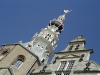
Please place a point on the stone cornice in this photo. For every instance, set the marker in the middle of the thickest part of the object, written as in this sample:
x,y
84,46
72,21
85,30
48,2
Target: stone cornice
x,y
80,71
62,71
78,41
42,73
91,51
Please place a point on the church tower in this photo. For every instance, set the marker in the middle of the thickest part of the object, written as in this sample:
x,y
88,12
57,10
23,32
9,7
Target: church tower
x,y
23,58
44,43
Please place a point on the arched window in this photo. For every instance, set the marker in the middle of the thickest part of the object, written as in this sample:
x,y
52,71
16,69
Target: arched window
x,y
19,61
4,52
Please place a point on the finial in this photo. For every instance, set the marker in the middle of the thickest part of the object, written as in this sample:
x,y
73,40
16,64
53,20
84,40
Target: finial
x,y
20,42
66,11
80,36
62,17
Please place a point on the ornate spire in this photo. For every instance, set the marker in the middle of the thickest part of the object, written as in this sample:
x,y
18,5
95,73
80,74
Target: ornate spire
x,y
56,25
44,43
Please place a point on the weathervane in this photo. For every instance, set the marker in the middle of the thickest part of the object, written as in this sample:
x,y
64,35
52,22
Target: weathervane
x,y
67,11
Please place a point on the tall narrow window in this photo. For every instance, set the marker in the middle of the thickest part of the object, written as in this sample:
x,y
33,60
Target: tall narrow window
x,y
62,65
18,63
4,52
70,65
70,48
77,47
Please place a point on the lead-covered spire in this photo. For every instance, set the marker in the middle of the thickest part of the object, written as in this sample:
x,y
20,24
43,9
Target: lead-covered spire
x,y
56,25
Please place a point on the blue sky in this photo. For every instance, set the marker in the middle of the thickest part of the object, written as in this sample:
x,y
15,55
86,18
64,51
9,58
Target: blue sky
x,y
21,19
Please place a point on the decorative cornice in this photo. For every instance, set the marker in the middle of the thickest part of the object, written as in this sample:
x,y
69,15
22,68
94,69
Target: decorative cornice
x,y
63,71
42,73
67,56
92,71
91,51
78,41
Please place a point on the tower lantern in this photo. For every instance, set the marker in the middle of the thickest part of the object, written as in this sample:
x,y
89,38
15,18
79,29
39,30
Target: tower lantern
x,y
56,25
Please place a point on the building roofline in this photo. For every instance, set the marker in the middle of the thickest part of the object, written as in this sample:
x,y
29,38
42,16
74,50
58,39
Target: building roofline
x,y
24,48
78,41
41,73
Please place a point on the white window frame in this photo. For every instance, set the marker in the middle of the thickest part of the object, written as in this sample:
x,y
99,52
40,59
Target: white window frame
x,y
20,64
66,66
60,65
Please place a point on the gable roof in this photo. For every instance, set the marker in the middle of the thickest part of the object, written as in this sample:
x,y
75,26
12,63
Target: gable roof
x,y
25,49
78,39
